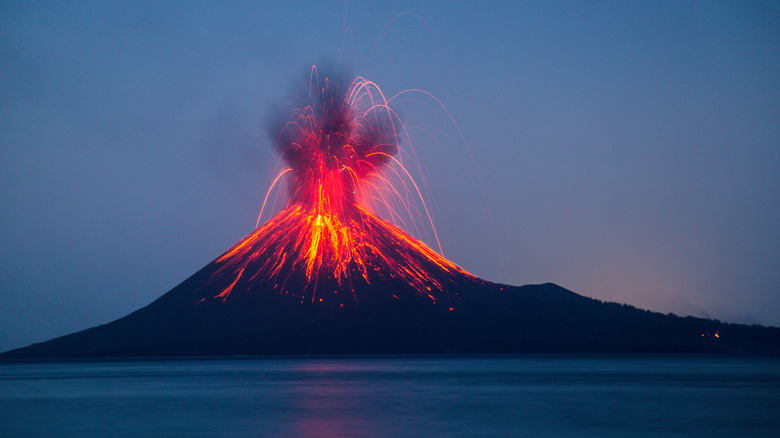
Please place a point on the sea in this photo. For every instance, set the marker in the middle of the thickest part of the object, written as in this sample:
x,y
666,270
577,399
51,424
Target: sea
x,y
517,396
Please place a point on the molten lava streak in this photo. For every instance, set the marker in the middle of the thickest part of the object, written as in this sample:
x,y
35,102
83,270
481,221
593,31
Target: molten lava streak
x,y
335,141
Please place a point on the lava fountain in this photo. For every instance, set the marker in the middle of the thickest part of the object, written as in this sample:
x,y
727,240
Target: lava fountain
x,y
337,141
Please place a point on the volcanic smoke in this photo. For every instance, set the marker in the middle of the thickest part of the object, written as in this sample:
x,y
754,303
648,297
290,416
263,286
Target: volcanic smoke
x,y
337,139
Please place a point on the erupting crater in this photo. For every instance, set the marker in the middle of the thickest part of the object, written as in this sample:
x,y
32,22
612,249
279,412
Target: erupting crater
x,y
336,143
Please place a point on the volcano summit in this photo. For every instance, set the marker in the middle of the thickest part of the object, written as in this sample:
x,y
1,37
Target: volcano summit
x,y
326,275
325,247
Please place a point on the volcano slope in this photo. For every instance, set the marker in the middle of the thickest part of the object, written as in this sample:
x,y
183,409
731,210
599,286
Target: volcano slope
x,y
371,289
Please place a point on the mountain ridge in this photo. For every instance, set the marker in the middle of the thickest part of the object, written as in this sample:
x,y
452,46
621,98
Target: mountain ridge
x,y
521,320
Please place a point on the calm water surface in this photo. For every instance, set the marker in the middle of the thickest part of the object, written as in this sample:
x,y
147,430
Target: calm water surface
x,y
387,397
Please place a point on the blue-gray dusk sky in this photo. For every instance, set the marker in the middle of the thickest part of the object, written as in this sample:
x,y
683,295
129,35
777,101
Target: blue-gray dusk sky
x,y
628,151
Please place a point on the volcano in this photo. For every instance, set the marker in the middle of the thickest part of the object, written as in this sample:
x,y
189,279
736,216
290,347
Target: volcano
x,y
393,295
327,275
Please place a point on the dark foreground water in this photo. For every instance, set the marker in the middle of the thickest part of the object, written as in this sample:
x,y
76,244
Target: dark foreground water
x,y
343,397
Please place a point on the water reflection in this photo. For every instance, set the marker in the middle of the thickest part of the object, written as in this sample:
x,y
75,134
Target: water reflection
x,y
346,397
330,405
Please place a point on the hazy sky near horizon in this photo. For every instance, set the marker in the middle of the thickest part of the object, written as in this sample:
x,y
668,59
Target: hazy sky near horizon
x,y
628,151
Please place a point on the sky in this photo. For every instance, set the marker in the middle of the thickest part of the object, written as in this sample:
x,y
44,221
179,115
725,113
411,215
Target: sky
x,y
627,151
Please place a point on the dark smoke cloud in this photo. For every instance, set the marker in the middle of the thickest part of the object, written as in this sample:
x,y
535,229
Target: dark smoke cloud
x,y
332,121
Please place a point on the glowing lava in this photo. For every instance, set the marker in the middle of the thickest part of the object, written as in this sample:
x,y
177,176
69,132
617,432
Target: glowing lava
x,y
336,142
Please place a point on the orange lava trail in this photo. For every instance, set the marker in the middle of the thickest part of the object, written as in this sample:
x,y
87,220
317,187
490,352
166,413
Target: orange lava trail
x,y
336,146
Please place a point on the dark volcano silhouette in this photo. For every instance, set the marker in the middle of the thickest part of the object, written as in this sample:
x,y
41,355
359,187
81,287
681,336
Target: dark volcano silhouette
x,y
395,296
